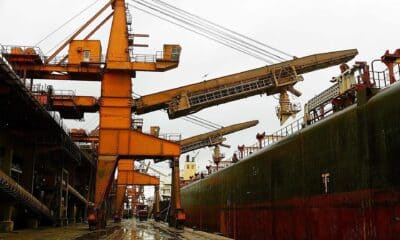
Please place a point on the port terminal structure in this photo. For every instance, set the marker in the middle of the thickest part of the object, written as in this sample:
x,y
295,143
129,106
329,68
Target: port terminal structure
x,y
119,143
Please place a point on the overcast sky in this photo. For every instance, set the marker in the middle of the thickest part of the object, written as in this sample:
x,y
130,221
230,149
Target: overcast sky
x,y
298,27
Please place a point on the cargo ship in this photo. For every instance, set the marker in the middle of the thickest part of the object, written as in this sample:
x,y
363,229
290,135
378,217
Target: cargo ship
x,y
337,177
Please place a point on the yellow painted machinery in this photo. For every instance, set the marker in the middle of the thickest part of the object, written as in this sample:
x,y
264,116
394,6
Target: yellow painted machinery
x,y
272,79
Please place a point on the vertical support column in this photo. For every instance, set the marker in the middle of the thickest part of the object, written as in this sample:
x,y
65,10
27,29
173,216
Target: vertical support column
x,y
62,211
157,203
60,203
66,193
72,203
28,175
177,216
90,193
6,225
72,211
124,165
28,169
80,213
119,203
115,111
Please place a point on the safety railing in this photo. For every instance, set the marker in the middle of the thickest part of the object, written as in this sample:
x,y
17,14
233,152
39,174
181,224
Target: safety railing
x,y
137,123
64,93
381,78
147,58
63,60
159,55
3,59
38,88
25,50
282,133
173,137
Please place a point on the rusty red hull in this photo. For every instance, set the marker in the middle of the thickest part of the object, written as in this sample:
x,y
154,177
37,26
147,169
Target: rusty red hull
x,y
336,179
358,215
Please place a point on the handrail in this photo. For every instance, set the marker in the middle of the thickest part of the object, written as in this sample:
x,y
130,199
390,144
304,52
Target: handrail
x,y
62,60
278,135
148,58
173,137
7,49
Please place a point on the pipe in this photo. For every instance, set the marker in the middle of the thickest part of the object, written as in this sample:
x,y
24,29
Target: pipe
x,y
13,189
74,192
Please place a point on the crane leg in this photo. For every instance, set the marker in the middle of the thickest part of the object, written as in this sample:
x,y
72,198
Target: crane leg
x,y
119,203
157,203
177,216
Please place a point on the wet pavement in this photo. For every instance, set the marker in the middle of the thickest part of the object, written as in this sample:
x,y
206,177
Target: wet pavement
x,y
71,232
133,229
48,233
128,229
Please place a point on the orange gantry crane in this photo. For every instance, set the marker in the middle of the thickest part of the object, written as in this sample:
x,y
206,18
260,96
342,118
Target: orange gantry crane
x,y
85,62
117,140
127,175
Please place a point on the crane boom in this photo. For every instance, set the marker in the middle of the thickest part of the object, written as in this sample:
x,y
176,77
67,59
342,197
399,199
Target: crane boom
x,y
189,144
213,138
270,79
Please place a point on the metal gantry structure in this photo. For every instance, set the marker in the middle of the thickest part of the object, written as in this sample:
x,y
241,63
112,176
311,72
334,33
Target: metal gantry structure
x,y
118,143
85,62
129,176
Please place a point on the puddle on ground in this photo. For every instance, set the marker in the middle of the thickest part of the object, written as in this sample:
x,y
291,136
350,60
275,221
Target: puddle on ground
x,y
132,230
